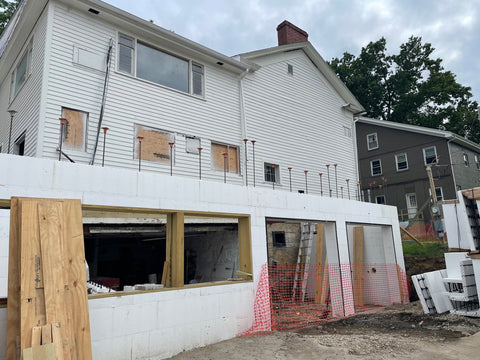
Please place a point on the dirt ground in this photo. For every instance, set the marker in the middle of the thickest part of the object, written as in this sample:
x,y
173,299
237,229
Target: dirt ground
x,y
397,332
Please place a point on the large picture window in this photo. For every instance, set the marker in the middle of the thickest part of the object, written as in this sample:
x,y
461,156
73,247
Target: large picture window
x,y
159,66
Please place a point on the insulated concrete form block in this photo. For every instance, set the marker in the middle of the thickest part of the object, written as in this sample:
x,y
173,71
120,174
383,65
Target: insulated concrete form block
x,y
452,264
464,223
423,294
436,287
456,237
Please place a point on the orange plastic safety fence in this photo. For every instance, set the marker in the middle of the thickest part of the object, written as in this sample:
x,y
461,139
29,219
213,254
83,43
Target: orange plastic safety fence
x,y
295,296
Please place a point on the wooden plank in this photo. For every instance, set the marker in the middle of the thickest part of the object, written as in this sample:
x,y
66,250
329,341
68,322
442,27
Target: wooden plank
x,y
51,221
36,336
177,248
400,282
77,280
13,306
472,194
166,268
32,313
320,271
46,334
42,352
245,245
358,266
57,341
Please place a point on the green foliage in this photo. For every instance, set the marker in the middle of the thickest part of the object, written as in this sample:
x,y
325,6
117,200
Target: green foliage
x,y
7,8
409,87
426,249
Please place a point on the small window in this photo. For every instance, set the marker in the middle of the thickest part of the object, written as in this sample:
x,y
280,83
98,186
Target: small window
x,y
380,199
126,51
220,161
278,238
465,160
477,162
197,79
430,155
155,143
376,167
401,161
192,144
271,172
19,147
439,193
372,141
74,131
20,74
347,131
290,69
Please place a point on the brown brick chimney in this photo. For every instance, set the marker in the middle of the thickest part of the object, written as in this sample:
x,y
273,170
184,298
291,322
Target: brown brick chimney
x,y
290,34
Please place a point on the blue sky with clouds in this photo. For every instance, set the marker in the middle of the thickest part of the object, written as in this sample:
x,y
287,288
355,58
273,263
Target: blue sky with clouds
x,y
334,26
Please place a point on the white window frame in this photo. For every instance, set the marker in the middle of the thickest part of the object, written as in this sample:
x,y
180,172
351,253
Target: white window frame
x,y
27,55
477,162
368,142
466,161
379,197
191,63
425,155
396,161
438,189
371,167
347,131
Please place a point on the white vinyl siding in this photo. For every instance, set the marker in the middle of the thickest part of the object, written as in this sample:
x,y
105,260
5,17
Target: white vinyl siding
x,y
130,101
296,122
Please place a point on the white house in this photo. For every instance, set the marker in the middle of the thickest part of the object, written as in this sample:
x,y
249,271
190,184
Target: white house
x,y
95,66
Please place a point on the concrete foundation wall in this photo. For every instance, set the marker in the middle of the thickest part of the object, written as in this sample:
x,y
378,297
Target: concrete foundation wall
x,y
161,324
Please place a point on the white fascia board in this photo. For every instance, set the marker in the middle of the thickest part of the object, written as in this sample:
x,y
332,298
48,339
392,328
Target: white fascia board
x,y
354,105
117,16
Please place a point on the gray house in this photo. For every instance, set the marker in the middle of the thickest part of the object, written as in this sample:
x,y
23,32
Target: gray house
x,y
392,164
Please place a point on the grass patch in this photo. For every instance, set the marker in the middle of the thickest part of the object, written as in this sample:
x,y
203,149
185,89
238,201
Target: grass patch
x,y
427,249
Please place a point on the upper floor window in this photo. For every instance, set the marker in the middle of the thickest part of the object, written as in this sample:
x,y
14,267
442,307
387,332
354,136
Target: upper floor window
x,y
376,167
477,162
372,141
271,172
75,129
347,131
224,157
20,74
465,160
290,69
160,67
430,155
380,199
401,161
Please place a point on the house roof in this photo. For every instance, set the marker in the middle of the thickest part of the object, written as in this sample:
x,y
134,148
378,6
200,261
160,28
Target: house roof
x,y
422,130
352,104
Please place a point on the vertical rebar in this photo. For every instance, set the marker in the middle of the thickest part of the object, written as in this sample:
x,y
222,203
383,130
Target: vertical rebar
x,y
290,177
253,145
328,175
348,188
12,113
140,138
171,157
273,176
104,141
336,183
63,121
225,168
341,189
359,197
306,182
200,162
321,184
246,162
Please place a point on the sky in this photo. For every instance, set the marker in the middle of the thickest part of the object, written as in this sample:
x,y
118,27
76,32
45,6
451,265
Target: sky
x,y
334,26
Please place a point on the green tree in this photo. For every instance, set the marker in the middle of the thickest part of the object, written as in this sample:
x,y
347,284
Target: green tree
x,y
409,87
7,8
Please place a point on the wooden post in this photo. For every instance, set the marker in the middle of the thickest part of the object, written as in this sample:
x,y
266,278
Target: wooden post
x,y
175,245
245,245
358,266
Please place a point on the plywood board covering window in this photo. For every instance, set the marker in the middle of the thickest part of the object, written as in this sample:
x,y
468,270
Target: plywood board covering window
x,y
154,144
218,158
74,129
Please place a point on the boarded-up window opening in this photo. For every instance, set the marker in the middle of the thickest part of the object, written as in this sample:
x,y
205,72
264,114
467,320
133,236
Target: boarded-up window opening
x,y
192,144
74,129
154,144
218,159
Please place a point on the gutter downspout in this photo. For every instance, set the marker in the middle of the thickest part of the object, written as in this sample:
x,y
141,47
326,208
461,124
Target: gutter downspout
x,y
243,118
451,167
356,117
102,108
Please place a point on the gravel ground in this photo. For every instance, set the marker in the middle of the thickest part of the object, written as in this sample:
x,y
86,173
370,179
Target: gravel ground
x,y
397,332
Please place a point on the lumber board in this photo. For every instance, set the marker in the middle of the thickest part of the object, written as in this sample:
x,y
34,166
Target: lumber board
x,y
358,266
46,334
77,281
472,194
36,336
13,305
41,352
400,282
31,294
166,267
50,219
57,341
244,245
320,271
